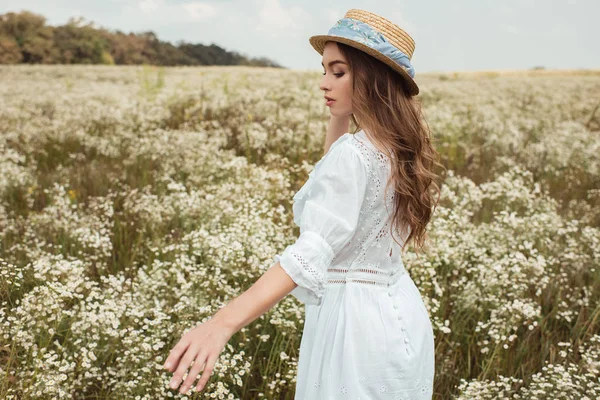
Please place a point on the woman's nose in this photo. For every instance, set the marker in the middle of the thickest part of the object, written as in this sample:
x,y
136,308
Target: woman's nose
x,y
324,86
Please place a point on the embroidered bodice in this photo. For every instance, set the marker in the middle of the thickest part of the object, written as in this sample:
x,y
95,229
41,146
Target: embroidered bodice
x,y
344,216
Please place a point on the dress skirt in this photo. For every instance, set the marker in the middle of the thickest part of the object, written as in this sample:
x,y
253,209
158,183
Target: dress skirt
x,y
367,342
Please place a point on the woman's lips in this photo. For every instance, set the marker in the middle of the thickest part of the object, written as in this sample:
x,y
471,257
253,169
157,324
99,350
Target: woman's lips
x,y
329,102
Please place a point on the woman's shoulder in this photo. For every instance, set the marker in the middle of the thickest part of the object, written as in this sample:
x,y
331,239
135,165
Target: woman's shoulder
x,y
344,153
371,156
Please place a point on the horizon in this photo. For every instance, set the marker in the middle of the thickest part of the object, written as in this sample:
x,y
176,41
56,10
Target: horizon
x,y
444,40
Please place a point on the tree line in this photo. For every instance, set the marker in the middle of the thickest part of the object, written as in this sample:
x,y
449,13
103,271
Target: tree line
x,y
25,38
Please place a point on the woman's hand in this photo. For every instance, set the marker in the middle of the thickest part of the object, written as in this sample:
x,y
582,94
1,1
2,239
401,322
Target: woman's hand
x,y
203,344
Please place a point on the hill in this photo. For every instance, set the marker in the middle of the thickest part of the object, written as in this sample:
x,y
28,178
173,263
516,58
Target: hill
x,y
26,38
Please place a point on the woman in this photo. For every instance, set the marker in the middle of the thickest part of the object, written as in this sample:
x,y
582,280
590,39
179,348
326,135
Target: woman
x,y
367,332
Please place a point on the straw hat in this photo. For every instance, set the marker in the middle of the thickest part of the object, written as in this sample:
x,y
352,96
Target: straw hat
x,y
376,36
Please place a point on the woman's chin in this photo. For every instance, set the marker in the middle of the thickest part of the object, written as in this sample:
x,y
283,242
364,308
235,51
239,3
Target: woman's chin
x,y
337,113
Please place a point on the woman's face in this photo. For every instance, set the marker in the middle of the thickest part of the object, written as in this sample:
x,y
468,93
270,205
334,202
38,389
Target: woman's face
x,y
336,82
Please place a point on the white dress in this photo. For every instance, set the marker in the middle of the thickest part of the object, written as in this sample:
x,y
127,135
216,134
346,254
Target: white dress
x,y
367,333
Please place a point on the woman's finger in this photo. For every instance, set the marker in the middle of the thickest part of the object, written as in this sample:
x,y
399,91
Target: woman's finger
x,y
210,363
176,353
194,371
184,364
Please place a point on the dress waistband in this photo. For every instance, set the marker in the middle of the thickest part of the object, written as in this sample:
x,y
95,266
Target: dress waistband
x,y
365,275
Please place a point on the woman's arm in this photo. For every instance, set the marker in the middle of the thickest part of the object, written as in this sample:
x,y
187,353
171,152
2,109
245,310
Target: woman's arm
x,y
259,298
204,343
336,128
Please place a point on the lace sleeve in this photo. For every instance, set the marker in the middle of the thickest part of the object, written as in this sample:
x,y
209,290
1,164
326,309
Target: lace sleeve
x,y
329,220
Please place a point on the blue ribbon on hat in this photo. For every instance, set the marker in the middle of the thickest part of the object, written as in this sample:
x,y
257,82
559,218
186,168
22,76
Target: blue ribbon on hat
x,y
361,32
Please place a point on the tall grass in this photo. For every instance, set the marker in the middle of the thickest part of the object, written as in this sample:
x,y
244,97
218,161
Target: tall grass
x,y
136,201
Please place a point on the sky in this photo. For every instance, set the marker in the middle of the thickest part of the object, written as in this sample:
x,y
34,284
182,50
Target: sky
x,y
458,35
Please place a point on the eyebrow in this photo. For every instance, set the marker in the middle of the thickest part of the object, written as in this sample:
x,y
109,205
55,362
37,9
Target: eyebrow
x,y
330,63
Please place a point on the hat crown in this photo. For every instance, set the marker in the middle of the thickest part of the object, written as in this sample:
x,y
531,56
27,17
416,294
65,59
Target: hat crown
x,y
392,32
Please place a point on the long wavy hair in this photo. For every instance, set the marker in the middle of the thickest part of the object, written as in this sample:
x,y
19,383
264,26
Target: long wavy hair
x,y
393,120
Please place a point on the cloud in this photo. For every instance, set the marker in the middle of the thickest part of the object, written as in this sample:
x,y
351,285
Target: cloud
x,y
198,11
168,12
275,19
148,6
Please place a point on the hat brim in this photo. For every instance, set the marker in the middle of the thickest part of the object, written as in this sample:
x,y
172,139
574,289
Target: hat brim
x,y
318,43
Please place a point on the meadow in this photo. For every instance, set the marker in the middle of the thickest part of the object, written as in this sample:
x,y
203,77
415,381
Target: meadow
x,y
135,201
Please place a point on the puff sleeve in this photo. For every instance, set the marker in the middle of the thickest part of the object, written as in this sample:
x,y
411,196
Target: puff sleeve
x,y
329,218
